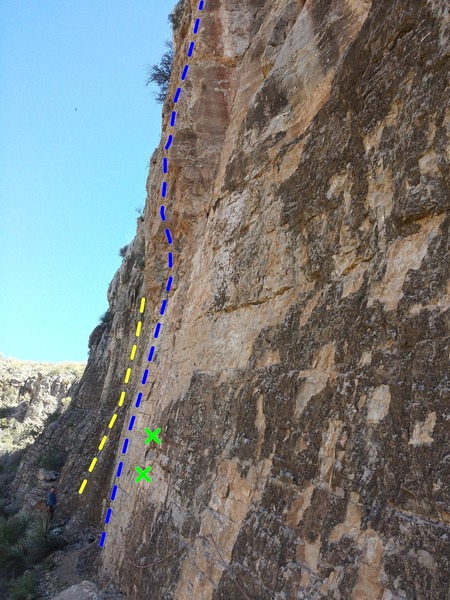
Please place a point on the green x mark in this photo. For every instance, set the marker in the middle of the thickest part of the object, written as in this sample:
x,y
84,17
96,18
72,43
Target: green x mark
x,y
143,474
152,435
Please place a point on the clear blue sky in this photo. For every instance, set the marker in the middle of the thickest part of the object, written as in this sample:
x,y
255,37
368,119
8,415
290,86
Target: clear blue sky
x,y
70,180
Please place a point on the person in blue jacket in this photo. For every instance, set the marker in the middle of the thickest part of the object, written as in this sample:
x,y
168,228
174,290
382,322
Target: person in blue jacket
x,y
51,503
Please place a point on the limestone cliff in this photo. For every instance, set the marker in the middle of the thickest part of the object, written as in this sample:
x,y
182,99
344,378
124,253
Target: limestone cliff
x,y
30,394
300,379
32,397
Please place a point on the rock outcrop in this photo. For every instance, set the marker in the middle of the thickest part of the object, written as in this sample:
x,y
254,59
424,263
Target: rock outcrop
x,y
33,396
86,590
30,393
300,380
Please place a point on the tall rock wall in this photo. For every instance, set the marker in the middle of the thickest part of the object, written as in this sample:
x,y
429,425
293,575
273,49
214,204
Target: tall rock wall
x,y
301,377
300,380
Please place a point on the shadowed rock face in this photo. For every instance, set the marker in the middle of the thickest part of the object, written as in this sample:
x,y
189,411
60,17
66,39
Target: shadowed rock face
x,y
300,382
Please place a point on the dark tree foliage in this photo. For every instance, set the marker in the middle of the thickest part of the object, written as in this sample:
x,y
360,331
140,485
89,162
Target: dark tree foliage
x,y
160,73
106,318
176,15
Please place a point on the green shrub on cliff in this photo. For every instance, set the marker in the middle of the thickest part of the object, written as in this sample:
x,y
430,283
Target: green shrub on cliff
x,y
53,460
52,417
106,318
160,73
123,250
176,15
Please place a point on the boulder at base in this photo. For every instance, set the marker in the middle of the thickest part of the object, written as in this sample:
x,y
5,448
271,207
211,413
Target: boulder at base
x,y
82,591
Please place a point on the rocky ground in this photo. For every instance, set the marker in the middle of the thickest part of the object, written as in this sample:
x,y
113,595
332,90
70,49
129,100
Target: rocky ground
x,y
72,570
32,397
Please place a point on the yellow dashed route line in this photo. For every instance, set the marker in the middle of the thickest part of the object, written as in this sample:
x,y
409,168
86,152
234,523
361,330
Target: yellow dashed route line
x,y
121,400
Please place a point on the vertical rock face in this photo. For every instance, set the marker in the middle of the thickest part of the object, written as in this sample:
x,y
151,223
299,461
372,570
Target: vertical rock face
x,y
301,374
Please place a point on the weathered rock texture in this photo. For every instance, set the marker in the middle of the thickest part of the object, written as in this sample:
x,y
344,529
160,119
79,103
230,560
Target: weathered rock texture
x,y
29,393
300,382
75,435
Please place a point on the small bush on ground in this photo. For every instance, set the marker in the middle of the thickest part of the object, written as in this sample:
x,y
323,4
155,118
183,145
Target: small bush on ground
x,y
48,564
39,541
23,588
12,532
24,542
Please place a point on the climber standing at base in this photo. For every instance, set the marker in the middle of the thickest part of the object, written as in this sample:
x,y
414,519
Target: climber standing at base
x,y
51,503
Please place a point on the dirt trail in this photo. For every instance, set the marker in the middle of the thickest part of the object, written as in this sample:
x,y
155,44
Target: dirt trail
x,y
63,575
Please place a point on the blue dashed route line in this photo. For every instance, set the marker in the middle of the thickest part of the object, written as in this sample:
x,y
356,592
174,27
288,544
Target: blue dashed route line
x,y
162,213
